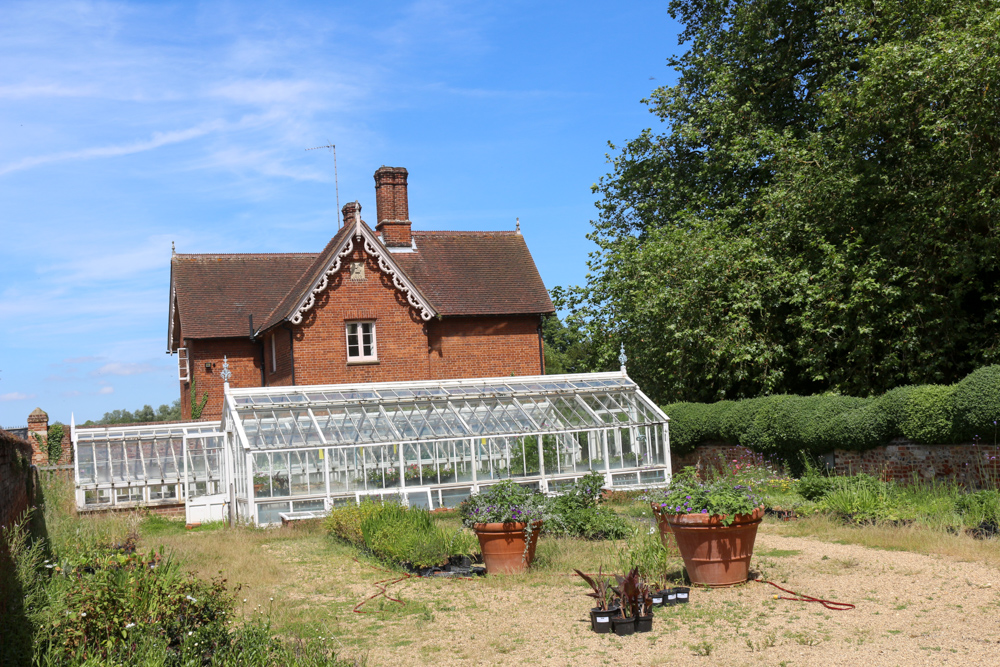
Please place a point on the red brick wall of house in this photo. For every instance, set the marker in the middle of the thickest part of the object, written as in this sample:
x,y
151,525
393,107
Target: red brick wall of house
x,y
484,347
282,375
320,342
244,363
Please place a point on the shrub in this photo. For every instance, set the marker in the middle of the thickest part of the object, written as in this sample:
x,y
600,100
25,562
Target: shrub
x,y
578,512
345,521
977,405
404,535
784,425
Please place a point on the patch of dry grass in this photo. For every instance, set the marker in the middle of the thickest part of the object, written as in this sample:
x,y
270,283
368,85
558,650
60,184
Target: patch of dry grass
x,y
914,538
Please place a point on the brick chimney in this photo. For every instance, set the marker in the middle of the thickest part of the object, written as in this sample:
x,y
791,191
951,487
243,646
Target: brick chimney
x,y
350,209
392,206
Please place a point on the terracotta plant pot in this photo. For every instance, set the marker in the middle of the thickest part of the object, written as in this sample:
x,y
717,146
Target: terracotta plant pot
x,y
502,546
715,555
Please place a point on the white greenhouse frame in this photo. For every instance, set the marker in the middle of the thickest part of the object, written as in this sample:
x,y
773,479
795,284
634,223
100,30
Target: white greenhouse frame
x,y
297,451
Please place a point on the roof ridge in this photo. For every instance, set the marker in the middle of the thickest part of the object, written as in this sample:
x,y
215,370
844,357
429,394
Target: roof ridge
x,y
499,232
246,254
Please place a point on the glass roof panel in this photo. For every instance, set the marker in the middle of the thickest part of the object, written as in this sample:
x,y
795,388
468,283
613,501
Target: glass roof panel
x,y
439,410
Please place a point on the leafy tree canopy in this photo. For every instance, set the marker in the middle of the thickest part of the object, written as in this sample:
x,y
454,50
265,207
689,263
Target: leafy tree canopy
x,y
819,212
144,414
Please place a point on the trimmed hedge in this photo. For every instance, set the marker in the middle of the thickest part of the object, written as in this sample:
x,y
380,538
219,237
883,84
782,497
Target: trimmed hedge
x,y
784,425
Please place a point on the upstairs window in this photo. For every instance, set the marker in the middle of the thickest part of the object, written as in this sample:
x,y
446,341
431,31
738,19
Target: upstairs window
x,y
361,342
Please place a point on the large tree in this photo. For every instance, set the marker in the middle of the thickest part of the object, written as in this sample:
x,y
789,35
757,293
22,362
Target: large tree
x,y
820,212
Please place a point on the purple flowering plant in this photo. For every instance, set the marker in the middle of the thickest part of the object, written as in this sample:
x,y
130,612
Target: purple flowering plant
x,y
504,502
724,496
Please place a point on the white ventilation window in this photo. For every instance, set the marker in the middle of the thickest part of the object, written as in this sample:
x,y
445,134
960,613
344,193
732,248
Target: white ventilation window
x,y
183,366
361,342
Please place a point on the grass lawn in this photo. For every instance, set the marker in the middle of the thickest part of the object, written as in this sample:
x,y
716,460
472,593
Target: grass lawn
x,y
912,608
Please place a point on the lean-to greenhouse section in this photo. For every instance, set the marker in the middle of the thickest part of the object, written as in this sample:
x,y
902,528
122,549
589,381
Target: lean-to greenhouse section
x,y
299,450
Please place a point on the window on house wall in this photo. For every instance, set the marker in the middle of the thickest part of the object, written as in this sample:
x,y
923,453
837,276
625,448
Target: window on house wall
x,y
274,356
361,341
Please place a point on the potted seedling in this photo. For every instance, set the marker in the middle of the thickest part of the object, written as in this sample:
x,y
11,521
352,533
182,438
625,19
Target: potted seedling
x,y
631,591
601,615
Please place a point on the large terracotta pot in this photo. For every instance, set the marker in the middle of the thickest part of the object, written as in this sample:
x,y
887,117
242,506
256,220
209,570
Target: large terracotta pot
x,y
715,555
666,535
502,546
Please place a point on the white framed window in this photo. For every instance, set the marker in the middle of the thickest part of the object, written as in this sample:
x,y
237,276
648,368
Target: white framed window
x,y
361,342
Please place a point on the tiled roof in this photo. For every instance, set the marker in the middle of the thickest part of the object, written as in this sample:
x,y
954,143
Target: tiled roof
x,y
476,273
459,273
217,293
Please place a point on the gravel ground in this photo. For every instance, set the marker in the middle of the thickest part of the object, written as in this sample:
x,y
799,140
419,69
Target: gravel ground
x,y
911,610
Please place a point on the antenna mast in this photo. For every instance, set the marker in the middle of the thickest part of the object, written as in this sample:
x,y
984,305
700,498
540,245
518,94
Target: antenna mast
x,y
336,185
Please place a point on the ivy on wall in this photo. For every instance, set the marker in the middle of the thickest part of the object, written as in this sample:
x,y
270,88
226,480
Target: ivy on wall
x,y
197,406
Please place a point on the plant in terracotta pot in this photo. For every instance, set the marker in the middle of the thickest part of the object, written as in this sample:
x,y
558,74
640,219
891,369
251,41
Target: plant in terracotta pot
x,y
714,523
507,519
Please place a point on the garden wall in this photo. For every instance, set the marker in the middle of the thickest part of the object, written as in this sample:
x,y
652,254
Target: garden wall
x,y
18,479
901,460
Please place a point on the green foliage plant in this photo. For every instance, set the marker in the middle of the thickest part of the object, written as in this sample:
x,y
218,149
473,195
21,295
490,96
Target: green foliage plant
x,y
197,406
782,426
580,513
55,437
409,536
817,211
724,496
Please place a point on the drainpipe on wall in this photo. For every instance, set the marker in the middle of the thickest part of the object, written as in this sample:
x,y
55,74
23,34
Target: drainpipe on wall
x,y
260,344
541,345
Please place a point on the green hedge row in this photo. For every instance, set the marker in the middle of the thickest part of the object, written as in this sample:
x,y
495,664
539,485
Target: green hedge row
x,y
784,425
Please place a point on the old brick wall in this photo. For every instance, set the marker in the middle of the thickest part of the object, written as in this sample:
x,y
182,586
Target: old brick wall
x,y
320,342
484,347
278,356
16,475
900,460
244,359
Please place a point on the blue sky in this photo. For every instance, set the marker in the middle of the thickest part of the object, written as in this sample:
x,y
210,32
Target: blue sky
x,y
126,126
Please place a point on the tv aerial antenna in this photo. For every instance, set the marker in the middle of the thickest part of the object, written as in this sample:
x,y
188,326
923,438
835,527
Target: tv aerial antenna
x,y
336,186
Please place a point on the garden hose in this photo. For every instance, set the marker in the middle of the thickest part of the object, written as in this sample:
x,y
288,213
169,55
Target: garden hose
x,y
829,604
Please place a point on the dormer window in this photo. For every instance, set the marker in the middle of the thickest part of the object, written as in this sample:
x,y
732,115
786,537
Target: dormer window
x,y
361,342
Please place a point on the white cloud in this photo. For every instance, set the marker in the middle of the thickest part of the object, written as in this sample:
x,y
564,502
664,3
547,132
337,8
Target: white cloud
x,y
106,390
119,368
157,140
16,396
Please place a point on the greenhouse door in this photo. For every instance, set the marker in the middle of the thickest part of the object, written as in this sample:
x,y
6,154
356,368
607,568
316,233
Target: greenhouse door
x,y
205,488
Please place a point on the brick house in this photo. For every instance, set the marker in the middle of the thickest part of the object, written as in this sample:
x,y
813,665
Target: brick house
x,y
387,304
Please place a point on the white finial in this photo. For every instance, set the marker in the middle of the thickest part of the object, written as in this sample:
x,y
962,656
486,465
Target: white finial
x,y
357,219
226,374
622,358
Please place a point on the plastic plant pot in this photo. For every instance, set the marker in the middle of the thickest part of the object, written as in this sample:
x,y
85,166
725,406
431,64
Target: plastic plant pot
x,y
658,598
600,620
683,594
670,597
644,623
623,626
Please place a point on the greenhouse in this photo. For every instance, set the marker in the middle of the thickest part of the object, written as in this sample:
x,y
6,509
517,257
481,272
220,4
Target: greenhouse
x,y
289,452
